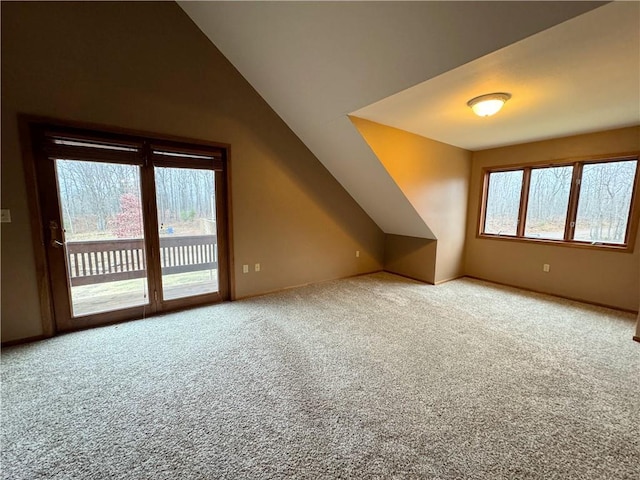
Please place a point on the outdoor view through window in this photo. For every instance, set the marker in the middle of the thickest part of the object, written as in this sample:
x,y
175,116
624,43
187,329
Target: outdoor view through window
x,y
605,200
548,202
503,203
581,202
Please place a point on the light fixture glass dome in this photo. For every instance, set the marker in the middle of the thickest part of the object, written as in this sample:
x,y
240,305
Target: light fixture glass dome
x,y
487,105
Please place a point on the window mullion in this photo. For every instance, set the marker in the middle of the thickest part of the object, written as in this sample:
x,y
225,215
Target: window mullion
x,y
483,202
524,200
150,216
574,195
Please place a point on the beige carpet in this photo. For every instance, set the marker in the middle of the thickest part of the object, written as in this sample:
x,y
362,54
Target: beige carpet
x,y
370,377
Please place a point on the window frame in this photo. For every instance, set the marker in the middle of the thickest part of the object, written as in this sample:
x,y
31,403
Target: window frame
x,y
572,208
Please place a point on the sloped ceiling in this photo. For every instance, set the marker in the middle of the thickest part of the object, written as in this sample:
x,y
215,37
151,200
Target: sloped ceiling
x,y
316,62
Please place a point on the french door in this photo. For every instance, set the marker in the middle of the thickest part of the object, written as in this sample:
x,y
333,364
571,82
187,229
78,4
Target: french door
x,y
132,225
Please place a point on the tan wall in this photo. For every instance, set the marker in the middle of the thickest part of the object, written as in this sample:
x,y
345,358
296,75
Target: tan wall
x,y
410,256
637,335
605,277
434,176
145,66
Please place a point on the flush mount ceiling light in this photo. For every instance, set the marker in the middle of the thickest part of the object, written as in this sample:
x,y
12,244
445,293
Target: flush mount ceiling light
x,y
487,105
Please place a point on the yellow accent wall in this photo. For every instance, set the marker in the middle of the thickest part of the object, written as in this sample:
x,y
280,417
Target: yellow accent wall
x,y
434,176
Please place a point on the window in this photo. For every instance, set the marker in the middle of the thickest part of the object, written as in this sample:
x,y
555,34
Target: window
x,y
588,203
605,201
503,202
548,202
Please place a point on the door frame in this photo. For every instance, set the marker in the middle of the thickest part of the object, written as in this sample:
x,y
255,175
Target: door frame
x,y
28,126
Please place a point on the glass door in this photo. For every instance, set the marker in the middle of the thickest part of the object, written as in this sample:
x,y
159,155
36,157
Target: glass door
x,y
186,201
190,190
131,225
102,235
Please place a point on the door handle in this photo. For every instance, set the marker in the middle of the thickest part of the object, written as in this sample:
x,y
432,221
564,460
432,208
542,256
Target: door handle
x,y
53,229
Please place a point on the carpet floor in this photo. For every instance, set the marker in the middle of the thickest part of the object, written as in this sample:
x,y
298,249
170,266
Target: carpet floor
x,y
369,377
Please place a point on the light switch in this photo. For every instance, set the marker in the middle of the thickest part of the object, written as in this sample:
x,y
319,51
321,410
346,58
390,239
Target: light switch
x,y
5,215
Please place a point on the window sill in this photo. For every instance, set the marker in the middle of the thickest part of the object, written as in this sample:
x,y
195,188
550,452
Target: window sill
x,y
612,247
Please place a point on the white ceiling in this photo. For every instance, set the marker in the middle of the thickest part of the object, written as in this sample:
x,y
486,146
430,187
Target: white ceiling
x,y
577,77
316,62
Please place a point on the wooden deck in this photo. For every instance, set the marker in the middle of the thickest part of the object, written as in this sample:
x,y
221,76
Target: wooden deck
x,y
108,275
108,301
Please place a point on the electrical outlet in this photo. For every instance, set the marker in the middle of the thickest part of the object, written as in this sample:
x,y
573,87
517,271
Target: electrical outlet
x,y
546,267
245,268
257,267
357,253
5,215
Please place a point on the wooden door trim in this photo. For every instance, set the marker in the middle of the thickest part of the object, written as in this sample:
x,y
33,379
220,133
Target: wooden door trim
x,y
37,231
121,132
150,227
229,236
50,212
28,125
223,253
